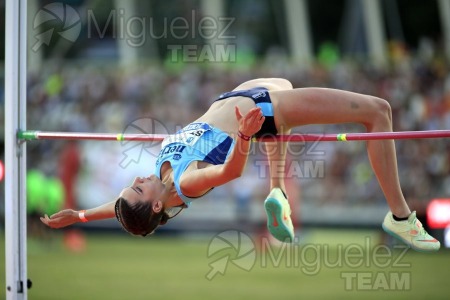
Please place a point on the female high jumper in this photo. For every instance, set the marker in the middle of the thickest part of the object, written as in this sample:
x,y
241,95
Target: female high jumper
x,y
213,150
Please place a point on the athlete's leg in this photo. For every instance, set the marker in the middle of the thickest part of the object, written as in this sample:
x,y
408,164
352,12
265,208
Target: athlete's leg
x,y
276,151
276,204
325,106
276,155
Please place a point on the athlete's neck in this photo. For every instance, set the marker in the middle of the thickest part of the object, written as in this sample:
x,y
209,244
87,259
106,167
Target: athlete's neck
x,y
166,172
167,180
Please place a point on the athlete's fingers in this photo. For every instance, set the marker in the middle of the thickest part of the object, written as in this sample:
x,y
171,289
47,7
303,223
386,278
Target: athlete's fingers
x,y
61,213
258,122
256,115
252,121
252,118
253,113
45,219
56,215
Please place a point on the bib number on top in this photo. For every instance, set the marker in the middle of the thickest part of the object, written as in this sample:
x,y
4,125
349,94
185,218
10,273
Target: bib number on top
x,y
189,135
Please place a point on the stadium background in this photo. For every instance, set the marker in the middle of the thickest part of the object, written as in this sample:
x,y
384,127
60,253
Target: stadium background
x,y
127,66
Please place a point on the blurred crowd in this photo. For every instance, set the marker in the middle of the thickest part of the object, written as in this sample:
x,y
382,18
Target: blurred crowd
x,y
153,98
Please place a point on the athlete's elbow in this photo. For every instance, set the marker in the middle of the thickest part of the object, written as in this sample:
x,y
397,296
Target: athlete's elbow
x,y
234,173
232,170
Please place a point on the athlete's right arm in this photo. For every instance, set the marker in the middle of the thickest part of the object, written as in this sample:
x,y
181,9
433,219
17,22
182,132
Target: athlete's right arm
x,y
68,217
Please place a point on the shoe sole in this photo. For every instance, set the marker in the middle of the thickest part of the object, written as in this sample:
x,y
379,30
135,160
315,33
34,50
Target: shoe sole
x,y
275,224
393,234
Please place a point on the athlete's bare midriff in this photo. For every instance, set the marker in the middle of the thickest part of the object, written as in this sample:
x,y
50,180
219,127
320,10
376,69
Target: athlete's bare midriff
x,y
221,114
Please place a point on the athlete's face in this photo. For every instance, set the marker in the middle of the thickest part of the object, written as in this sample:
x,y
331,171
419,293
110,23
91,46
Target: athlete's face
x,y
144,189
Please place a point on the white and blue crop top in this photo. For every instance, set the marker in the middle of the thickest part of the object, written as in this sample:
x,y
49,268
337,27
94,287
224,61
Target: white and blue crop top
x,y
195,142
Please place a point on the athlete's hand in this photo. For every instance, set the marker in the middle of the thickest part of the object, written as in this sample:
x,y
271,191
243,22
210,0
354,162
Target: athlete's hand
x,y
61,219
250,123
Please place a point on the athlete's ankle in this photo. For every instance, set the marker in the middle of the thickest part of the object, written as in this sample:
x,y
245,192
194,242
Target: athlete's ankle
x,y
401,214
282,189
399,219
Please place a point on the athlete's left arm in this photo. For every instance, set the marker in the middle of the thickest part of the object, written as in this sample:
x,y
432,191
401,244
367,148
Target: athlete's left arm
x,y
199,181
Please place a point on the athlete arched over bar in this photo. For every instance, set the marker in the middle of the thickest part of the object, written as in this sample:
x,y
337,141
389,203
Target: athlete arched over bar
x,y
213,150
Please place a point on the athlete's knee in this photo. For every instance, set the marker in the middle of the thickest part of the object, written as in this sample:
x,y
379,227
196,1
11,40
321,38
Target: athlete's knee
x,y
384,108
382,112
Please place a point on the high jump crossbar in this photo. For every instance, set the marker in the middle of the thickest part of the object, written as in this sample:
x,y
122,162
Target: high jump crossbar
x,y
48,135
